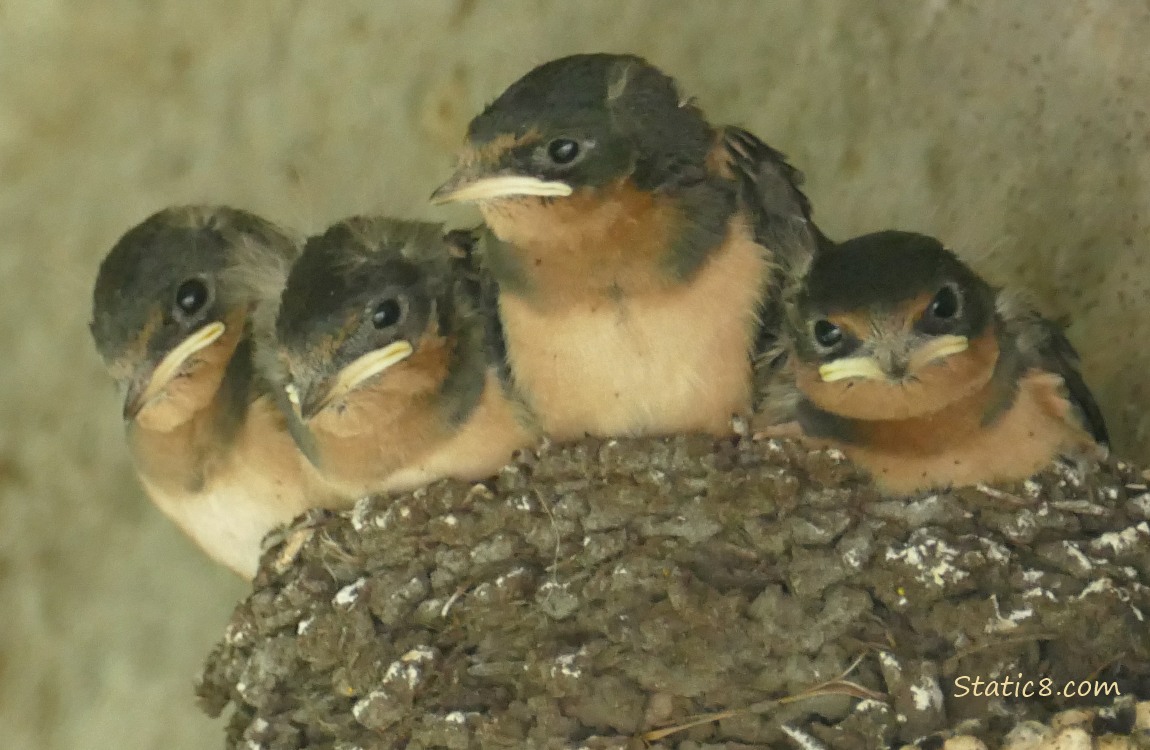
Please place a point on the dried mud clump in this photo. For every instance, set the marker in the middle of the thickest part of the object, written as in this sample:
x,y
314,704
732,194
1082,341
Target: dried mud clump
x,y
596,592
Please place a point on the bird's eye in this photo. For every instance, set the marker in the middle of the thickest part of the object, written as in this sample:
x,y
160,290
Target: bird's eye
x,y
827,334
191,296
945,305
386,314
562,150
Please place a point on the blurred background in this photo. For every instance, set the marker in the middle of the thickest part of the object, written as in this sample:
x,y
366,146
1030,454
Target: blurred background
x,y
1016,132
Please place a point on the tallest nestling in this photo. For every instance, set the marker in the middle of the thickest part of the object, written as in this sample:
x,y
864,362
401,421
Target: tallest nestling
x,y
636,246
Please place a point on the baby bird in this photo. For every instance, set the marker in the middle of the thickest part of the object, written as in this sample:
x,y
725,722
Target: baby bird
x,y
925,375
637,250
174,310
390,362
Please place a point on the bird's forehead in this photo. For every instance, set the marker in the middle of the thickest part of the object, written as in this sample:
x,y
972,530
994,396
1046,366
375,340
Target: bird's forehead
x,y
883,317
489,151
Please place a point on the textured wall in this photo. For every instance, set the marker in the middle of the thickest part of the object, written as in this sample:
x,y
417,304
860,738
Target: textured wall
x,y
1016,132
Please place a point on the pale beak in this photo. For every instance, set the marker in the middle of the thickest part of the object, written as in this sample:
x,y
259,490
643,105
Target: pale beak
x,y
869,368
464,188
851,367
352,376
939,348
142,391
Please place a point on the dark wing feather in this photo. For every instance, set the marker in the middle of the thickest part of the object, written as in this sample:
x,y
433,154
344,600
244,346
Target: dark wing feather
x,y
482,291
1059,356
1042,344
781,216
771,190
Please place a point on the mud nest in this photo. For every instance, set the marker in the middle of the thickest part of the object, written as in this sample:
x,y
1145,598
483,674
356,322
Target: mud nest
x,y
594,592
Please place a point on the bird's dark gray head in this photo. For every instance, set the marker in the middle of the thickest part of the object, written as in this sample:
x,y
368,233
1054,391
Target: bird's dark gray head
x,y
896,293
361,298
172,284
581,121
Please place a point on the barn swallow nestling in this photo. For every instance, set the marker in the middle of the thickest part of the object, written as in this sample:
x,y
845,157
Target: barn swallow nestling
x,y
384,344
630,262
925,375
173,310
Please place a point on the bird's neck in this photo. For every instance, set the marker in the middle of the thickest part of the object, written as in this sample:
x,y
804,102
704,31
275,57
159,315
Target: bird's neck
x,y
927,432
604,243
387,425
177,442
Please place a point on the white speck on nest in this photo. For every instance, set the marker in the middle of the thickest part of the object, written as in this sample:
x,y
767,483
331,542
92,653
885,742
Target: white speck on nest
x,y
888,661
1008,621
1142,502
1039,593
236,634
404,512
550,586
870,704
502,580
253,745
1085,562
1112,493
1096,586
359,514
933,559
802,739
451,520
347,596
836,455
565,664
260,725
456,717
418,654
1033,488
853,558
926,694
522,503
409,673
365,702
1033,576
1120,541
304,625
586,540
995,552
620,570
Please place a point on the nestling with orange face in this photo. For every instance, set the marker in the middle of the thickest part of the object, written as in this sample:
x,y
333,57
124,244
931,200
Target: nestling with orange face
x,y
630,247
925,375
386,354
174,310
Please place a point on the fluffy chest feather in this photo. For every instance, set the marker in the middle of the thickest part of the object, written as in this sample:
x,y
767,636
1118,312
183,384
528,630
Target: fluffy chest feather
x,y
950,448
645,360
232,495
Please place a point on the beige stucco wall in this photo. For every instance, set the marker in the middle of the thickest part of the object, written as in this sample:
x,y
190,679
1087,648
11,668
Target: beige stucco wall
x,y
1016,131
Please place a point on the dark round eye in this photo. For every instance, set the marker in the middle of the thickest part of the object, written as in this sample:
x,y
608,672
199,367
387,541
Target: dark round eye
x,y
945,304
562,150
191,296
386,314
827,334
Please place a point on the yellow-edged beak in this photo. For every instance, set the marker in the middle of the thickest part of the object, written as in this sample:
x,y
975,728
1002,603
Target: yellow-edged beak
x,y
148,387
351,377
469,188
939,348
869,368
866,368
